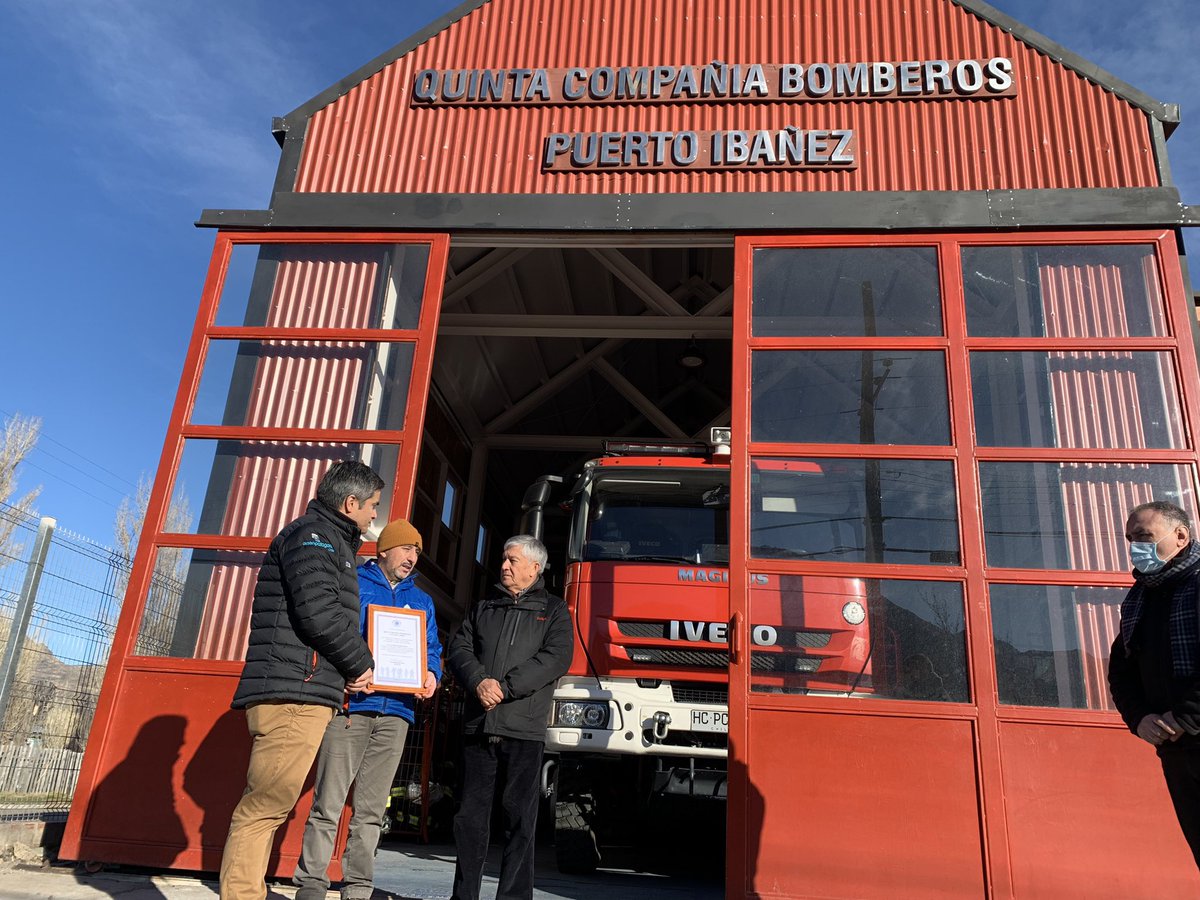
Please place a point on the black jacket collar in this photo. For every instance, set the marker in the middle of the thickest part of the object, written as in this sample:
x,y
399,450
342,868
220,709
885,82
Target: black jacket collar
x,y
346,526
533,596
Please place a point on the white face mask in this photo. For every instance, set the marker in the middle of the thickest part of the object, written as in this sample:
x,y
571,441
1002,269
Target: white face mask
x,y
1144,555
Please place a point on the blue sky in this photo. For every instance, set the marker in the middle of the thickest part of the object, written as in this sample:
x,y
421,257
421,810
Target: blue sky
x,y
125,118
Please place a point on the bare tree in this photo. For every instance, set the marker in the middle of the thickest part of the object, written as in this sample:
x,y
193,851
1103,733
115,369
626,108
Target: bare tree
x,y
18,439
131,515
170,564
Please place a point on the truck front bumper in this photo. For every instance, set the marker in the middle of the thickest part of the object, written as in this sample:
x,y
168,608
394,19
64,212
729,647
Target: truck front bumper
x,y
641,721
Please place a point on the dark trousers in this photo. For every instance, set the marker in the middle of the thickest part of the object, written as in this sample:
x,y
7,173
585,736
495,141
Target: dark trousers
x,y
513,766
1182,771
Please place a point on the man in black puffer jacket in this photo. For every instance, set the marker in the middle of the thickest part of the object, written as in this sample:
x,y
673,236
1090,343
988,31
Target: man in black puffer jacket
x,y
305,652
509,652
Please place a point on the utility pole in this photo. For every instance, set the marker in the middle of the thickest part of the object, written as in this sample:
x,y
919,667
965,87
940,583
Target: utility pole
x,y
868,394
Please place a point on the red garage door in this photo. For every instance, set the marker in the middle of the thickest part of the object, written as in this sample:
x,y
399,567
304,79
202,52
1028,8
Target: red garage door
x,y
307,349
943,435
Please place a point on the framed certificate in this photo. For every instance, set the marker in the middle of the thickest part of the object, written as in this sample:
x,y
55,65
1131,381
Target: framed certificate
x,y
397,640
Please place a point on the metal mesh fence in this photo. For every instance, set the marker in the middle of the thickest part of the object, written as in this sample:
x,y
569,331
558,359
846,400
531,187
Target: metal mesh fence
x,y
58,664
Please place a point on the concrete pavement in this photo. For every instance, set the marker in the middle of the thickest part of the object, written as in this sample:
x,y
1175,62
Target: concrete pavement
x,y
404,871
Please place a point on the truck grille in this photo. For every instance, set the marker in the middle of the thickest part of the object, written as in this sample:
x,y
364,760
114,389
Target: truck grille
x,y
812,638
711,659
783,662
713,741
700,692
719,659
642,629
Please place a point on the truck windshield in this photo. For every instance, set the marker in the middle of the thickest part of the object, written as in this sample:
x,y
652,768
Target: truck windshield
x,y
659,516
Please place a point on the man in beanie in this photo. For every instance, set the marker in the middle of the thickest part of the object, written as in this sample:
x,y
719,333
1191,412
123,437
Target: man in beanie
x,y
362,745
1154,664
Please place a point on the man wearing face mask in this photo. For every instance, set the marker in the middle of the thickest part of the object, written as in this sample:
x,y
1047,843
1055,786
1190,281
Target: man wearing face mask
x,y
1154,665
304,652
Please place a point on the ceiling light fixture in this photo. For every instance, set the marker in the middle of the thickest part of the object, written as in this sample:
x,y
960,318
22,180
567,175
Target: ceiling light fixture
x,y
692,356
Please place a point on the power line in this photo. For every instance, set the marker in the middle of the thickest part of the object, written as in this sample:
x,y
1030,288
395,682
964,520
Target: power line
x,y
66,482
69,465
42,435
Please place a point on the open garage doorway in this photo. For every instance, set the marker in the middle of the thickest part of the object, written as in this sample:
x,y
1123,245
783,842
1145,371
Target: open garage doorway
x,y
543,354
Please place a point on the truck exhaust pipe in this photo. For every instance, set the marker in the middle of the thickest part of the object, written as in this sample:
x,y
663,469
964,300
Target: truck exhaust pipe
x,y
533,504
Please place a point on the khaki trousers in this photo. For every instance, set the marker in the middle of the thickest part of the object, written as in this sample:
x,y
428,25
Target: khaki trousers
x,y
286,737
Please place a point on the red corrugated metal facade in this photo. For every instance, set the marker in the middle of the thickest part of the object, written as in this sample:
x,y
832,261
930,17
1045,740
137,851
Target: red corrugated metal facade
x,y
1060,131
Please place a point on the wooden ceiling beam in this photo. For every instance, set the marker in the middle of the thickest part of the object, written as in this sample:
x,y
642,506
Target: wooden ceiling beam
x,y
640,401
639,282
557,382
480,273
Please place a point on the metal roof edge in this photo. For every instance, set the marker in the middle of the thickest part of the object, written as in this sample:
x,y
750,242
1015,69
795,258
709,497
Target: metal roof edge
x,y
1168,113
230,219
342,87
830,211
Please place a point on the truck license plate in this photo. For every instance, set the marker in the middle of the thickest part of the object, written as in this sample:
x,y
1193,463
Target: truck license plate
x,y
710,720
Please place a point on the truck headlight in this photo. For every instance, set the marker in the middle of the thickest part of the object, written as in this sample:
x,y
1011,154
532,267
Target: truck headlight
x,y
580,714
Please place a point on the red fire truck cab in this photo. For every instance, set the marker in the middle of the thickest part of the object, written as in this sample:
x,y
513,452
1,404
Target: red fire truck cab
x,y
642,719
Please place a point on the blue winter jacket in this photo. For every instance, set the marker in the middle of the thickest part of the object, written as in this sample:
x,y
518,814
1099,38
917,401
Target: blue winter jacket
x,y
373,588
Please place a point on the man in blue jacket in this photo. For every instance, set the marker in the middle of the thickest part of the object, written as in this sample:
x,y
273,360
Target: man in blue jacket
x,y
362,747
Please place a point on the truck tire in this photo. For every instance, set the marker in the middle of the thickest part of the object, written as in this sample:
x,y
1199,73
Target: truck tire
x,y
575,849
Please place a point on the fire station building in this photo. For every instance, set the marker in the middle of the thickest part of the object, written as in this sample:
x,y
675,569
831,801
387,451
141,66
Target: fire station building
x,y
910,246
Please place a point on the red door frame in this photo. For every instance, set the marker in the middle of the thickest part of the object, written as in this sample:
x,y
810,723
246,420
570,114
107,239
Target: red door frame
x,y
984,712
220,676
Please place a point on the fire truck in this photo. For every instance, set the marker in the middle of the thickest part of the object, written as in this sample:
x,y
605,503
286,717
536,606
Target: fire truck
x,y
641,720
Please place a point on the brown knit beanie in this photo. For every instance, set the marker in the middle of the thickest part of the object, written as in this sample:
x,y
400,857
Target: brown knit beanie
x,y
398,532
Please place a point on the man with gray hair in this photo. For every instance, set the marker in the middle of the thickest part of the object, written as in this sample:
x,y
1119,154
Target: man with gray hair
x,y
511,649
1154,664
